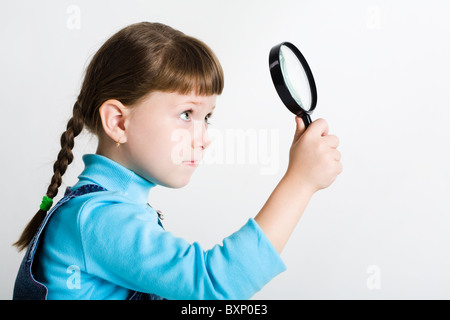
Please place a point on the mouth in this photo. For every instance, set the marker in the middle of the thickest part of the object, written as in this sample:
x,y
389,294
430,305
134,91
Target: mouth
x,y
191,163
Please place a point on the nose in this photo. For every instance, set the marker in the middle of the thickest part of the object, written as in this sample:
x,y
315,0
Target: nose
x,y
200,136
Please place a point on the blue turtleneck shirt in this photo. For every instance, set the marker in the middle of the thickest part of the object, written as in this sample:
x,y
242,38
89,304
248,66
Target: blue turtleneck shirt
x,y
113,241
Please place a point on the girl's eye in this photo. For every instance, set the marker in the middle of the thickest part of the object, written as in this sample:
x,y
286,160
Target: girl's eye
x,y
186,116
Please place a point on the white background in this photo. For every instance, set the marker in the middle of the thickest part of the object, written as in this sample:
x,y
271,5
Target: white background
x,y
382,69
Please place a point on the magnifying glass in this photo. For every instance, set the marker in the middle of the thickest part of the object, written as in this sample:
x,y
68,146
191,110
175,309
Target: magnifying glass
x,y
293,80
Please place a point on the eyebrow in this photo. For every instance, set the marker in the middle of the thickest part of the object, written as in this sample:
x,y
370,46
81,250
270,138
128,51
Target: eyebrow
x,y
197,103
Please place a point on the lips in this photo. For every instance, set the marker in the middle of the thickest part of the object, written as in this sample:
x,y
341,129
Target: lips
x,y
192,163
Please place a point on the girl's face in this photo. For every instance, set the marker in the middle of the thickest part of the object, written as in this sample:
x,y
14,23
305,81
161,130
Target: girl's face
x,y
166,136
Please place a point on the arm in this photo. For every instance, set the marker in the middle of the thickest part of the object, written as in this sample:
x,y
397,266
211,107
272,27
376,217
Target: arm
x,y
314,164
123,244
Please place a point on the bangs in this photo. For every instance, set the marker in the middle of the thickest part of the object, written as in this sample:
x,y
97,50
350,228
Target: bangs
x,y
189,65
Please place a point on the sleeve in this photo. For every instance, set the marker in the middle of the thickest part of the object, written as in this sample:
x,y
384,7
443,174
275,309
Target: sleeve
x,y
124,244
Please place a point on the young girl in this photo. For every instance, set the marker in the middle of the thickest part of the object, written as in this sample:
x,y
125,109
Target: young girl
x,y
146,85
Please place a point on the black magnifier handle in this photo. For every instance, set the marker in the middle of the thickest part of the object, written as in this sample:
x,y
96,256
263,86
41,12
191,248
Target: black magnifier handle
x,y
306,120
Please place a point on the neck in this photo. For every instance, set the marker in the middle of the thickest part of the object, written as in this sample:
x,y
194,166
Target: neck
x,y
114,177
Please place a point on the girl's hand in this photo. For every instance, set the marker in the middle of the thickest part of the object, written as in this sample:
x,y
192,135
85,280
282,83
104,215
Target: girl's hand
x,y
314,161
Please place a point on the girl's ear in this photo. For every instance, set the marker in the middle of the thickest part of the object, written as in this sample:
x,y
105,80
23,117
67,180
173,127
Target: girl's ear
x,y
113,114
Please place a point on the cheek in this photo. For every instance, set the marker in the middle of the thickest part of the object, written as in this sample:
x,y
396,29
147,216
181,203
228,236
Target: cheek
x,y
180,146
155,143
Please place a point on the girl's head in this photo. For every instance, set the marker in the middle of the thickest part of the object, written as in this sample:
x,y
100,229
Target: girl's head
x,y
147,94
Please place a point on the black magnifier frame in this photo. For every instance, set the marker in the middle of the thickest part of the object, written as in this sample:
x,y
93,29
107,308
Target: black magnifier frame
x,y
282,87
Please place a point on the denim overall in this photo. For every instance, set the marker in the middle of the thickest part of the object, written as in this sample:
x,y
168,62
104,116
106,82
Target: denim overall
x,y
26,287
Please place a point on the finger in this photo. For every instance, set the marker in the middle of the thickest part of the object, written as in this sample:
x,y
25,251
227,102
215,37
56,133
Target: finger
x,y
300,129
320,127
336,155
332,141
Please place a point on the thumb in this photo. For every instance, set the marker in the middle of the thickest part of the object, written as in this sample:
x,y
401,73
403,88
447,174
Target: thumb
x,y
300,129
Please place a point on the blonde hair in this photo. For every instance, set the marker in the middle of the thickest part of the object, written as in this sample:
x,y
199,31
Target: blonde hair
x,y
139,59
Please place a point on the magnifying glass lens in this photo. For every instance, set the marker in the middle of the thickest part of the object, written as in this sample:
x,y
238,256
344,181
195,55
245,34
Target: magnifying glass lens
x,y
295,77
293,80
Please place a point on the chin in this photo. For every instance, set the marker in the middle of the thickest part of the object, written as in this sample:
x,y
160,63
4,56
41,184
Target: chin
x,y
176,183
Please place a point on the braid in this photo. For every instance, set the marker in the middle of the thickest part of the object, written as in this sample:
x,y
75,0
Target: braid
x,y
65,157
